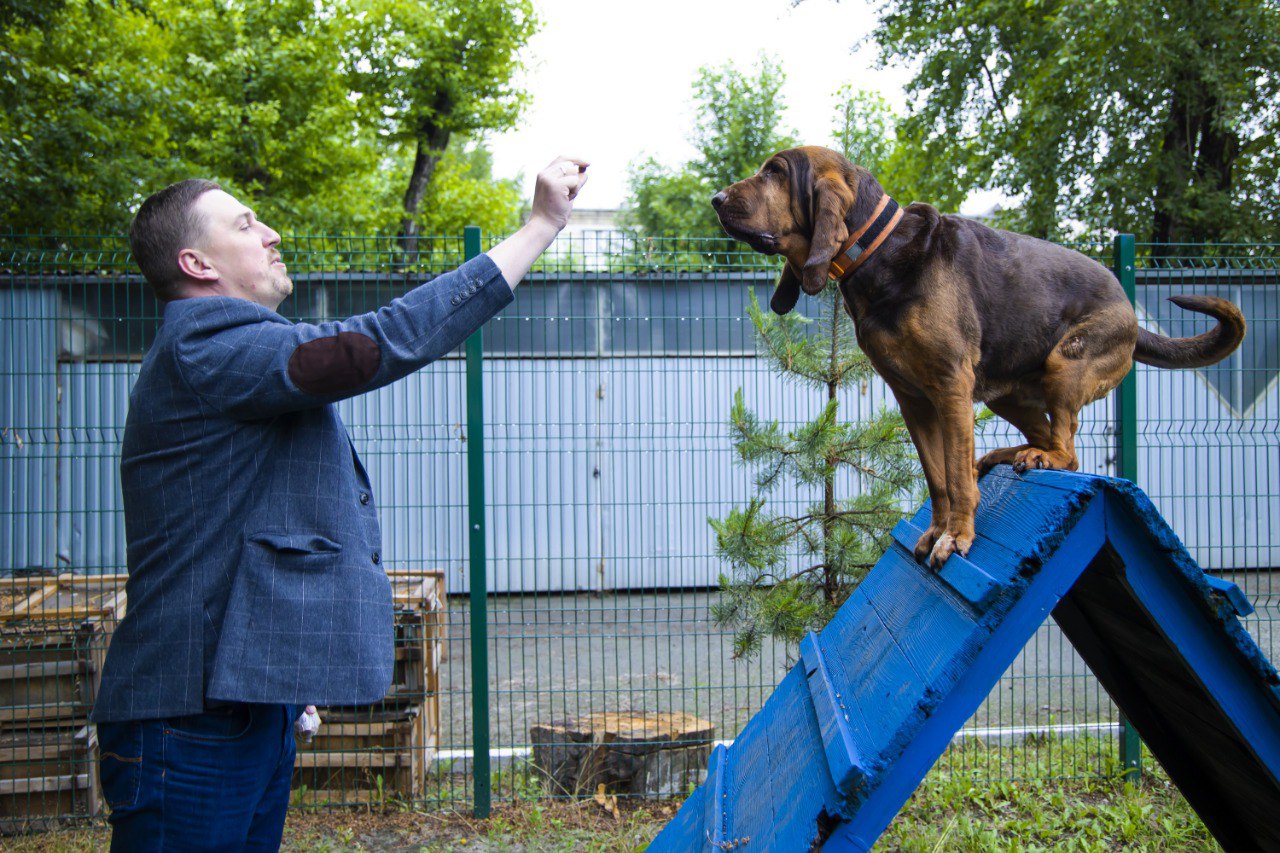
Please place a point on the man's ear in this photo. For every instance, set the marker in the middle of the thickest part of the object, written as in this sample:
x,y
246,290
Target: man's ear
x,y
832,199
193,264
787,291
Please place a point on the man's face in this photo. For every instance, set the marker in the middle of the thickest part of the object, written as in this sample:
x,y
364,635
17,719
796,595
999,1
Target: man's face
x,y
242,251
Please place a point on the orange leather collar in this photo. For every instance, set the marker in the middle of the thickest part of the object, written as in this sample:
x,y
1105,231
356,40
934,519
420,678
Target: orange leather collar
x,y
866,239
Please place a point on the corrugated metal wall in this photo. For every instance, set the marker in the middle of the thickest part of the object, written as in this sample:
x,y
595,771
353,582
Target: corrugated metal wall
x,y
607,401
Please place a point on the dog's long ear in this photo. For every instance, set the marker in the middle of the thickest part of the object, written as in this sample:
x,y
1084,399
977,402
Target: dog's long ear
x,y
787,292
831,201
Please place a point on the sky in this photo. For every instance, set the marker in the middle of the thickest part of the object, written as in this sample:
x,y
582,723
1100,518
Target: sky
x,y
612,82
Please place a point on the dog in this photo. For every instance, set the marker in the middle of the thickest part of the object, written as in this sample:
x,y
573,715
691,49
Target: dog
x,y
951,311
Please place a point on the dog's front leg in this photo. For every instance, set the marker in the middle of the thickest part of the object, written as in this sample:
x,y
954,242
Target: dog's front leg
x,y
955,411
923,423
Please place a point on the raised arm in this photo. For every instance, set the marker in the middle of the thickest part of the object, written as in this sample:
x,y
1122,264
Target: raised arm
x,y
553,194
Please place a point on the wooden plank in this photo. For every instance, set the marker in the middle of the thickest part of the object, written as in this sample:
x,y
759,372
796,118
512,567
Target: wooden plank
x,y
843,761
33,753
971,583
911,605
715,816
870,666
356,729
44,784
50,712
22,608
10,583
781,742
388,759
48,669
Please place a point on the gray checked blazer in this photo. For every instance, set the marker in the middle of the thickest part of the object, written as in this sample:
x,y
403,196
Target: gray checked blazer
x,y
253,542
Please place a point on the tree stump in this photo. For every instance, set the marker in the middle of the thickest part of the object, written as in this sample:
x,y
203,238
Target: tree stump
x,y
629,752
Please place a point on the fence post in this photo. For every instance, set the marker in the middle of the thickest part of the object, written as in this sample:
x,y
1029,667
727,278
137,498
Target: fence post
x,y
1126,428
476,540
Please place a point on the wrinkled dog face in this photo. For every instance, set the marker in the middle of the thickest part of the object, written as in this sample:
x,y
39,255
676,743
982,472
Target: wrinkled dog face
x,y
758,211
768,211
796,206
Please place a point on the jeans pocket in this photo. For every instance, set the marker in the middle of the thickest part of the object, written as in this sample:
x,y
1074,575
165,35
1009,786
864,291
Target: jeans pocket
x,y
120,763
224,724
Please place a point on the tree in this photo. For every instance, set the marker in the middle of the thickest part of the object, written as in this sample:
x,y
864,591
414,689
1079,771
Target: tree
x,y
863,129
285,103
738,127
80,131
262,104
463,192
432,69
838,538
868,132
1158,116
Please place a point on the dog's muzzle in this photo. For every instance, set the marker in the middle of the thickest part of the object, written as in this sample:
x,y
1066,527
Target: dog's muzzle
x,y
762,241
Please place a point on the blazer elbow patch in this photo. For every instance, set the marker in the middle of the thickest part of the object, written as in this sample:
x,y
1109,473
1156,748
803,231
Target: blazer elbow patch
x,y
336,364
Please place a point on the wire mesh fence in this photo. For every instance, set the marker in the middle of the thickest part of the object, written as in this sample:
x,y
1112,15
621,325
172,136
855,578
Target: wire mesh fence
x,y
606,395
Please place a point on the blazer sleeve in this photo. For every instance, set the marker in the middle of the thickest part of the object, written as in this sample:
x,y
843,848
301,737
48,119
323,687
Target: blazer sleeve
x,y
249,362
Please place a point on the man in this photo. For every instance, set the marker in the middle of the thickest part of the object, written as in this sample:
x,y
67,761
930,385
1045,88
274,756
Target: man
x,y
255,578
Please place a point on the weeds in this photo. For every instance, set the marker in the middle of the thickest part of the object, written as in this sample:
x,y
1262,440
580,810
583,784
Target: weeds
x,y
969,803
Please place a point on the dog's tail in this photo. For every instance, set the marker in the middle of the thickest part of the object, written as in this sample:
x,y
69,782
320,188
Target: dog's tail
x,y
1201,350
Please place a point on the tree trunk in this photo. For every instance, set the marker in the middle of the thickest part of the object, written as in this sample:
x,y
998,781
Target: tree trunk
x,y
1173,168
1219,149
432,141
830,578
1198,154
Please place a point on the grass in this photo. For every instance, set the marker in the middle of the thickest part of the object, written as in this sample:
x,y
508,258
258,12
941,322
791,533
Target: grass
x,y
971,801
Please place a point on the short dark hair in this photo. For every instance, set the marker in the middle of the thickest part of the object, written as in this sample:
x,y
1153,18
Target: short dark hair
x,y
165,224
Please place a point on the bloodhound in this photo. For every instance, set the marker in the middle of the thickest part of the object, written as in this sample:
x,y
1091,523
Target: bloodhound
x,y
950,312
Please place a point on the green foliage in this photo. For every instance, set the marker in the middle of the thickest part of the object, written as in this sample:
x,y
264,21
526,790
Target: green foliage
x,y
260,107
910,168
463,192
969,810
863,128
790,573
670,203
310,112
79,132
737,128
1154,117
438,63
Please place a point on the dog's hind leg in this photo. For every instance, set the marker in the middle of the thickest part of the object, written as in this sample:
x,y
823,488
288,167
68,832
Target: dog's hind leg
x,y
1031,421
1087,363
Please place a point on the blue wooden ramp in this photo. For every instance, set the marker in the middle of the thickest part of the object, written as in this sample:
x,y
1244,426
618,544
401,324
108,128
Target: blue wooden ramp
x,y
854,727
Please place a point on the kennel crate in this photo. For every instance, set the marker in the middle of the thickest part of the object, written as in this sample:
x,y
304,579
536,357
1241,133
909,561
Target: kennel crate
x,y
54,633
363,754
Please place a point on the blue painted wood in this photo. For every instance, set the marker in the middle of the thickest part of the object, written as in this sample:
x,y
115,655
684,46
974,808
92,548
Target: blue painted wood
x,y
715,816
1240,604
972,583
833,720
880,692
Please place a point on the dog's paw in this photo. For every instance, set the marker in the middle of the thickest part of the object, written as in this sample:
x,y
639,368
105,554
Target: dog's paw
x,y
942,551
924,545
947,545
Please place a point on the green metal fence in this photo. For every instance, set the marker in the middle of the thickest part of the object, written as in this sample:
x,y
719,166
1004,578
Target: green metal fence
x,y
557,473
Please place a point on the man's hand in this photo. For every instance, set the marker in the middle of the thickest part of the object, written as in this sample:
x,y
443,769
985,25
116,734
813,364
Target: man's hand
x,y
556,188
553,195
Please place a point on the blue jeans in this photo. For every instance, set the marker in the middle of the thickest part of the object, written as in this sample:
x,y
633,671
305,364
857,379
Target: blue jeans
x,y
212,781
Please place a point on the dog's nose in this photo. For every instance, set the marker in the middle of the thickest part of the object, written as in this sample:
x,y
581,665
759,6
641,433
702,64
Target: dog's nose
x,y
719,199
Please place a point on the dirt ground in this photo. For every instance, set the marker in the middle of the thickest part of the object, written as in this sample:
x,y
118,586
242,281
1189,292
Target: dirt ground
x,y
585,825
594,824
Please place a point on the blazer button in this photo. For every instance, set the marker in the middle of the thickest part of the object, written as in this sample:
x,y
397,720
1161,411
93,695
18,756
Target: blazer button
x,y
364,498
377,558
